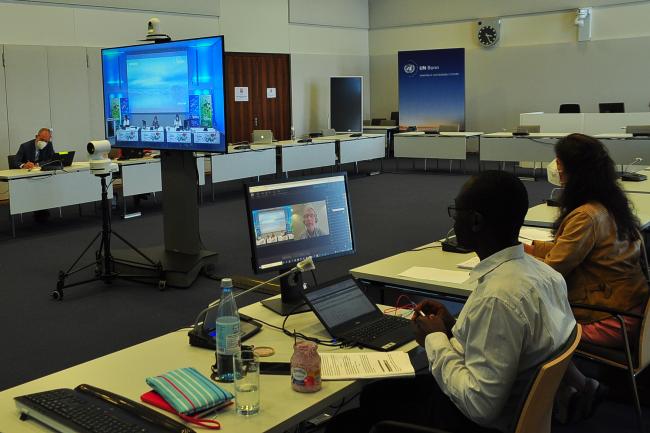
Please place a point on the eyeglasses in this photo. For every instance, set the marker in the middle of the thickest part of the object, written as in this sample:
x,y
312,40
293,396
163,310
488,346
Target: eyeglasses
x,y
453,211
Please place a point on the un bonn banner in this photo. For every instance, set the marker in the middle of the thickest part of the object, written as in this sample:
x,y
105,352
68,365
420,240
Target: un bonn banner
x,y
432,88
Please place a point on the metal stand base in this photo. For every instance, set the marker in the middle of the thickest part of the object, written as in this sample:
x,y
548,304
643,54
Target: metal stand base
x,y
283,308
105,264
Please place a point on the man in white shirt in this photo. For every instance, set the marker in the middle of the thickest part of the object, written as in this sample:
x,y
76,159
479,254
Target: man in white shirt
x,y
517,318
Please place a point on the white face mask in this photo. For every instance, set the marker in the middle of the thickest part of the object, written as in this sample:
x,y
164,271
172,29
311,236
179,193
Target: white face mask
x,y
41,144
553,174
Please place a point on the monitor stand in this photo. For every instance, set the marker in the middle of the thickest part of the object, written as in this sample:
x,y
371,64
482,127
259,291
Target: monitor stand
x,y
290,301
182,256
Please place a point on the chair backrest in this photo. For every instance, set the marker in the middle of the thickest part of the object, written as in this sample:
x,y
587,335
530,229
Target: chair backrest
x,y
638,129
394,115
569,108
611,107
388,122
644,340
376,121
535,416
366,122
448,128
528,128
262,136
11,161
328,132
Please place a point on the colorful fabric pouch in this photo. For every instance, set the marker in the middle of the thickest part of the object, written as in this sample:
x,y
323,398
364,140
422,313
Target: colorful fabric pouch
x,y
188,391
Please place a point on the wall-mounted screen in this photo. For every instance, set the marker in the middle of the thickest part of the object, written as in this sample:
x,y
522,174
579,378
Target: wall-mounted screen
x,y
346,104
167,96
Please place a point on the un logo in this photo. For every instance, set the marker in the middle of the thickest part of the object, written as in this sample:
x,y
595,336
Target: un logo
x,y
409,68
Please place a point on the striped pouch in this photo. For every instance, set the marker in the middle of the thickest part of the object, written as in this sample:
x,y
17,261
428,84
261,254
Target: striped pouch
x,y
188,391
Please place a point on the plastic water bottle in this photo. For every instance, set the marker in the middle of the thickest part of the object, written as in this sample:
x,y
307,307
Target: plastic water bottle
x,y
227,332
293,133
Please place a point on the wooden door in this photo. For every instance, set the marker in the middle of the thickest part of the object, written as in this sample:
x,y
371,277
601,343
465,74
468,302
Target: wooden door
x,y
258,73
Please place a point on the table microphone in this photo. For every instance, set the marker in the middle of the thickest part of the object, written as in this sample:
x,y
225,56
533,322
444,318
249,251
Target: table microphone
x,y
632,176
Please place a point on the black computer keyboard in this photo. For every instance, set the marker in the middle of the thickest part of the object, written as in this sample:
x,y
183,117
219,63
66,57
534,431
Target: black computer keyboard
x,y
377,328
91,410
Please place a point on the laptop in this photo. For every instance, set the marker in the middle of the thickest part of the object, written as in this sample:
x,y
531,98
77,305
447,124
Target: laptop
x,y
59,161
349,315
262,136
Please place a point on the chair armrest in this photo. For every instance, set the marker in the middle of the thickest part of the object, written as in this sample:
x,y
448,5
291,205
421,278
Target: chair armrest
x,y
401,427
611,311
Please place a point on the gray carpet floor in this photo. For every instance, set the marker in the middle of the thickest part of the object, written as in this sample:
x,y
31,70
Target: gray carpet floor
x,y
392,212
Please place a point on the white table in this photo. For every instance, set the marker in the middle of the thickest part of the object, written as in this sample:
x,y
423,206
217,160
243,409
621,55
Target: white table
x,y
543,215
258,160
587,123
33,190
503,146
124,373
446,145
303,156
625,148
354,149
143,176
387,131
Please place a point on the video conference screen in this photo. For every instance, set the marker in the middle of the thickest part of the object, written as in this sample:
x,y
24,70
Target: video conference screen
x,y
290,221
346,104
166,96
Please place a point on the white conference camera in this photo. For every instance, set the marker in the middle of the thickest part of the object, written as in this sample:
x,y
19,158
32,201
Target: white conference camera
x,y
100,163
582,14
153,31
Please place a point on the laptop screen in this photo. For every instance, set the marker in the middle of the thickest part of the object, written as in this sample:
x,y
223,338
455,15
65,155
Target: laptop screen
x,y
339,303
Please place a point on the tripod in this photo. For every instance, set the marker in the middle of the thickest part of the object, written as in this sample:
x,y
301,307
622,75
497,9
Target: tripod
x,y
104,261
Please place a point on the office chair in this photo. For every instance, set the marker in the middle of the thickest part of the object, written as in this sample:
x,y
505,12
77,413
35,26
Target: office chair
x,y
262,136
328,132
11,160
611,107
394,115
570,108
634,360
638,130
528,128
388,122
366,122
537,408
449,128
376,121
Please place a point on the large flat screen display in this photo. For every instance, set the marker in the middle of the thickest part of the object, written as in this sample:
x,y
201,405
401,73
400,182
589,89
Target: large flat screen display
x,y
167,96
346,104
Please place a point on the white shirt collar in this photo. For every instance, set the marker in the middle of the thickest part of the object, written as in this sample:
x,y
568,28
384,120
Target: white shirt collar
x,y
494,261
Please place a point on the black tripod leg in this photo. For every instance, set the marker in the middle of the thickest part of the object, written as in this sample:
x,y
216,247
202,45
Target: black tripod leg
x,y
134,248
81,255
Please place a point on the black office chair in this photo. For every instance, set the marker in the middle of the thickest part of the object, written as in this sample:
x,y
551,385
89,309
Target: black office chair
x,y
11,160
570,108
611,107
394,115
376,122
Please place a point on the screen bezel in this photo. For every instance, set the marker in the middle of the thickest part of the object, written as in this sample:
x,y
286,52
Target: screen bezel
x,y
225,105
251,228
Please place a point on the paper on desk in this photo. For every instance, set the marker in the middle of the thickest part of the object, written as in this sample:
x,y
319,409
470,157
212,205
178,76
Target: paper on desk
x,y
435,274
529,234
366,365
469,264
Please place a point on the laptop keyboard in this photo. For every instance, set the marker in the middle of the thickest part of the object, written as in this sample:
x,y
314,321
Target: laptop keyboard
x,y
378,328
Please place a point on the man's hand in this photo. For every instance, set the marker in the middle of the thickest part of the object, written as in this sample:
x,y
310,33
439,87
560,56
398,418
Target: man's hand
x,y
29,165
428,325
429,307
530,249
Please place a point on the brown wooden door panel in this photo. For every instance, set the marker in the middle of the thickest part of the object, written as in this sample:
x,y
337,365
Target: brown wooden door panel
x,y
258,72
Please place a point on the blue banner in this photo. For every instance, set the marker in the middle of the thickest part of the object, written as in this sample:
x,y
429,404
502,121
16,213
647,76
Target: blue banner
x,y
432,88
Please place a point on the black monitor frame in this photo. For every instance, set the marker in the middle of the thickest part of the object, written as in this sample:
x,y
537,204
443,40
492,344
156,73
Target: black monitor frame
x,y
611,107
225,105
291,285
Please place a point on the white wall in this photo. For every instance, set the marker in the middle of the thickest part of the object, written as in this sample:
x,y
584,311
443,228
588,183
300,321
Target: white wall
x,y
537,65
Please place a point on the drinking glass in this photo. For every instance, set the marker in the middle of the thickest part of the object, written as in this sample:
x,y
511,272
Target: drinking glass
x,y
247,382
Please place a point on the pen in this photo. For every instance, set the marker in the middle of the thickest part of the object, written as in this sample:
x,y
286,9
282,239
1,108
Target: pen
x,y
422,314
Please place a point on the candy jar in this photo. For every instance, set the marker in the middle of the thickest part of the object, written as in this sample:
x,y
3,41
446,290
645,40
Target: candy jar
x,y
305,367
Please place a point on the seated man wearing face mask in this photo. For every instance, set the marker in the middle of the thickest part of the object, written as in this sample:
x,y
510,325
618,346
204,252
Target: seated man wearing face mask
x,y
35,152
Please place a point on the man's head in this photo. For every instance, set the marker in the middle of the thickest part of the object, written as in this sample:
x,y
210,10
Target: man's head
x,y
309,219
491,207
44,134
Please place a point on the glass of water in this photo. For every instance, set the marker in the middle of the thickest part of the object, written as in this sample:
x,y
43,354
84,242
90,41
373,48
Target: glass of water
x,y
247,382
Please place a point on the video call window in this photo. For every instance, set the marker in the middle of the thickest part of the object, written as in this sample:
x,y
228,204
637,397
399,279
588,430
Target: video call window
x,y
292,220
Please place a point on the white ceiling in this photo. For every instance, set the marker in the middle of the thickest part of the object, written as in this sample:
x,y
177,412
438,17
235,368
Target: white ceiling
x,y
390,13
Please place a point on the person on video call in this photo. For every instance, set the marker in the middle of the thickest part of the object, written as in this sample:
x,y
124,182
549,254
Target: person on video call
x,y
155,124
310,220
34,152
177,122
126,122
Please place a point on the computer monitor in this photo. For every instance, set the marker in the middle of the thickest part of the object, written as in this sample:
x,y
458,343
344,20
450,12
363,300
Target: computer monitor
x,y
290,220
148,87
611,107
346,104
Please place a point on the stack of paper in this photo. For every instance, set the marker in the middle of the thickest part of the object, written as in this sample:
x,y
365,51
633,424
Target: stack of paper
x,y
469,264
435,274
366,365
529,234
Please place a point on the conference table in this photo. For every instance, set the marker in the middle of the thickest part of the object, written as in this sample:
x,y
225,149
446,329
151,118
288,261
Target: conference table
x,y
293,155
34,190
387,131
242,163
355,149
625,148
543,215
445,145
124,372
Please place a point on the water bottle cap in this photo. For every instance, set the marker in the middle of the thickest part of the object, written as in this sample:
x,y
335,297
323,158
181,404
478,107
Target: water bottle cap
x,y
226,282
